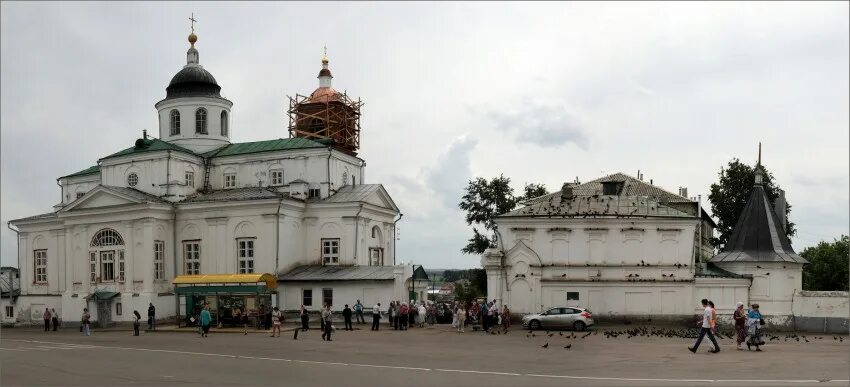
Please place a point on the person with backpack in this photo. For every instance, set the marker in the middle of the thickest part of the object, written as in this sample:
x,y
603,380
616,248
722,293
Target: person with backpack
x,y
136,322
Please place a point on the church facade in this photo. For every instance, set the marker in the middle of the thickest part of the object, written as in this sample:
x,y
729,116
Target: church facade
x,y
191,203
627,249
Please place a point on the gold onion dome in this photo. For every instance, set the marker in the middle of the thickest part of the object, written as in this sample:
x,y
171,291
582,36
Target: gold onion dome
x,y
193,38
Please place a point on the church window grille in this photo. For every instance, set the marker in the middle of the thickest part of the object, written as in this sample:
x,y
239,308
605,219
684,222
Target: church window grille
x,y
132,179
10,311
158,260
201,121
190,179
330,251
229,180
107,237
192,257
175,122
107,266
40,263
345,178
277,177
224,123
80,194
314,192
92,267
245,254
119,309
120,265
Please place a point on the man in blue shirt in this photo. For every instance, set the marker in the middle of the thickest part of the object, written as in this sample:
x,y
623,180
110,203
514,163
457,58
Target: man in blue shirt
x,y
484,315
358,312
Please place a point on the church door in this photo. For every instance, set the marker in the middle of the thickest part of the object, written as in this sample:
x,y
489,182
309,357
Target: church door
x,y
104,313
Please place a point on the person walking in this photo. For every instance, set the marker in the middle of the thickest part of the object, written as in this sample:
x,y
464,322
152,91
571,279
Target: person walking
x,y
376,316
346,317
421,315
754,322
740,316
327,320
460,315
358,312
46,317
713,320
261,317
485,313
151,317
402,316
506,318
206,320
244,318
54,317
137,317
305,319
705,329
277,318
392,314
86,320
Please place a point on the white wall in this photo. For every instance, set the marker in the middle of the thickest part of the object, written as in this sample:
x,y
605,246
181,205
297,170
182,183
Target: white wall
x,y
822,304
188,138
344,292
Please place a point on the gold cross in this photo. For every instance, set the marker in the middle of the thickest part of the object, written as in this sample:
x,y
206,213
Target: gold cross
x,y
192,18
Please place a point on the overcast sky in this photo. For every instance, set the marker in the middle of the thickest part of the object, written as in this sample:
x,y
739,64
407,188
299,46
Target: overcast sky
x,y
542,93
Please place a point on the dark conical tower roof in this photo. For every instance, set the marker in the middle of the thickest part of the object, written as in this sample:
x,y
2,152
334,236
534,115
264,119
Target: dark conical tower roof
x,y
759,235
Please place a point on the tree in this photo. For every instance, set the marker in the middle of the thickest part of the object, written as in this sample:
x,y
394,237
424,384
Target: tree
x,y
483,201
729,196
827,268
532,191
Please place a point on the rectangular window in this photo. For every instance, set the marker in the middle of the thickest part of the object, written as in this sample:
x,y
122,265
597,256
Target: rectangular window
x,y
158,260
327,297
314,192
572,296
93,267
40,264
107,266
10,311
190,179
119,309
330,251
245,254
192,257
376,257
307,297
80,194
277,177
120,265
229,180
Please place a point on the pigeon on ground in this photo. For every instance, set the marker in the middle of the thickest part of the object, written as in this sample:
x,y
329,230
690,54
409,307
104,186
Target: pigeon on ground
x,y
568,346
545,345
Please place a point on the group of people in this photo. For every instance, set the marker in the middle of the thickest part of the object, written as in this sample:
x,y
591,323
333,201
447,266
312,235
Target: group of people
x,y
485,313
50,316
748,323
403,315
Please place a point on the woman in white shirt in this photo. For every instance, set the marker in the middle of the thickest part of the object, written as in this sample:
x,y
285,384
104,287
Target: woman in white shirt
x,y
461,318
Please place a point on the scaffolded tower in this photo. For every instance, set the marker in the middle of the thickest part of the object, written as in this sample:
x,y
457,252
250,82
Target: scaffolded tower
x,y
326,114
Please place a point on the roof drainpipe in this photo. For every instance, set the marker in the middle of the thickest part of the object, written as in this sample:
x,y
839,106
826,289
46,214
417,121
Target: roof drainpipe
x,y
394,234
174,261
330,152
168,176
18,258
357,232
277,239
502,261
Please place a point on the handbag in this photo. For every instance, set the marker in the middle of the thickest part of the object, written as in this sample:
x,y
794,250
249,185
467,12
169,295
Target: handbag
x,y
761,321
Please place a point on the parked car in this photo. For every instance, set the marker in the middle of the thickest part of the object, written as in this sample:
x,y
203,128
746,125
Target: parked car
x,y
559,317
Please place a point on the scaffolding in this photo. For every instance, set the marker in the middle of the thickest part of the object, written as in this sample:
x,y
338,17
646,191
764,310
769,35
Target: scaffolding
x,y
329,116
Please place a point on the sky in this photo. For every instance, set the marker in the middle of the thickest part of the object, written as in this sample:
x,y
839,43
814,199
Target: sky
x,y
539,92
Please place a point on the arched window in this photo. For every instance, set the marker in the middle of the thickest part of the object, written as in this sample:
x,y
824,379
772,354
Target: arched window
x,y
201,121
316,125
107,237
175,122
224,123
132,179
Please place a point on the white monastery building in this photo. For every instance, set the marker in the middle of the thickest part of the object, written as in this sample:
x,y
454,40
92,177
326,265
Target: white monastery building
x,y
627,249
192,217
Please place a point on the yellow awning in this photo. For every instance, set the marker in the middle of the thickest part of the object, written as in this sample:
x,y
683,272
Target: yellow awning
x,y
205,279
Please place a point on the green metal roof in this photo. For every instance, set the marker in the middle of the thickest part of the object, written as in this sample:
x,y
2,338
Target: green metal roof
x,y
88,171
102,295
150,145
280,144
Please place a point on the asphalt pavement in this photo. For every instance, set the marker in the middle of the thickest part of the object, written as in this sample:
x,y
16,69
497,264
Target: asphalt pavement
x,y
435,356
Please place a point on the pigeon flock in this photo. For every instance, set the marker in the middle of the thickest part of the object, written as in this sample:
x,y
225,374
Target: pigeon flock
x,y
682,333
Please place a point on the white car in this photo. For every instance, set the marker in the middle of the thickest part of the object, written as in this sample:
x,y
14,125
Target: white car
x,y
559,317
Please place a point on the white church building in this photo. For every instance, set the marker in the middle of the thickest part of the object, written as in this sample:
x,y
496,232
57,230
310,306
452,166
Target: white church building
x,y
627,249
192,217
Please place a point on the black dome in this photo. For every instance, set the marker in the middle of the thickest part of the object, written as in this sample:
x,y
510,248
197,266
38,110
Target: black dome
x,y
192,81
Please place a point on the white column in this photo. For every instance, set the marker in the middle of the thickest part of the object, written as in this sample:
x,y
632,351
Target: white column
x,y
146,256
26,264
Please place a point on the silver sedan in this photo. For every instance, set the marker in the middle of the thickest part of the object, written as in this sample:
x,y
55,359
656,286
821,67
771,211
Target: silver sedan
x,y
560,317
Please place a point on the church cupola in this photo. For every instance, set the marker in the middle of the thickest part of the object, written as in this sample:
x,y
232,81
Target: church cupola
x,y
326,114
193,114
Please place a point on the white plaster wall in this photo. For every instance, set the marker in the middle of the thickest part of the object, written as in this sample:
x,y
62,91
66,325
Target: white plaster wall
x,y
822,304
188,138
774,283
71,186
347,292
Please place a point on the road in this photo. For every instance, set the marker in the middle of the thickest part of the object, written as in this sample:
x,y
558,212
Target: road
x,y
419,357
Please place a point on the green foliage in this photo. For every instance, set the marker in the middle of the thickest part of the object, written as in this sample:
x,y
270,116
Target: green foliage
x,y
469,284
484,200
828,265
729,196
464,293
